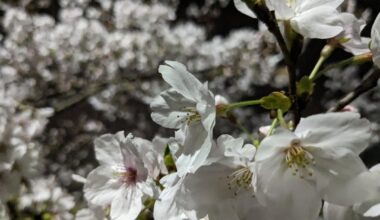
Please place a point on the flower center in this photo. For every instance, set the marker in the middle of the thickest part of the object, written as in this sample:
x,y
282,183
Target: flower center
x,y
127,175
192,115
240,179
298,159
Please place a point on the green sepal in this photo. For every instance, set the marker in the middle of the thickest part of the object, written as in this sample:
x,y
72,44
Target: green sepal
x,y
276,100
305,87
168,160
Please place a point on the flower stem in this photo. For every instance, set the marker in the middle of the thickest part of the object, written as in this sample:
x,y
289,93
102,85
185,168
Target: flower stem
x,y
280,117
325,53
243,104
358,59
273,125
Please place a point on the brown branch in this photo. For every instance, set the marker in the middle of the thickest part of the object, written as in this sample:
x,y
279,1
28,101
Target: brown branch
x,y
367,84
264,14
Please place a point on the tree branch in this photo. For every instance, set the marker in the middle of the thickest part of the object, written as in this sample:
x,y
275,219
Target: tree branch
x,y
263,14
367,84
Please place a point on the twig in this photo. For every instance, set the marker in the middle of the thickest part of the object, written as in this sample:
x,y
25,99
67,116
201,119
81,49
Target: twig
x,y
367,84
263,14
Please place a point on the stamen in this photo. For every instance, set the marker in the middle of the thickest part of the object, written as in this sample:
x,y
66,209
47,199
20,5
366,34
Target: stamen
x,y
240,179
298,159
192,115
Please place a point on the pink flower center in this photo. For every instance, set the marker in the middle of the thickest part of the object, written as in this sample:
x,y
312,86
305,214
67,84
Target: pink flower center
x,y
127,175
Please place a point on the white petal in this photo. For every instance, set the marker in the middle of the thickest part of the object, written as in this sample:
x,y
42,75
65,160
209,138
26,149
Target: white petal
x,y
233,153
336,212
248,206
208,113
304,5
166,207
361,208
243,8
221,100
229,145
127,204
288,197
335,130
168,109
196,148
132,158
153,160
339,177
195,196
100,187
160,145
352,29
357,47
375,44
177,76
107,149
374,211
271,145
283,11
320,22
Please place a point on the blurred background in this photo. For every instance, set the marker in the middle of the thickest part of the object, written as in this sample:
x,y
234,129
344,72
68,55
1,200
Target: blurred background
x,y
71,70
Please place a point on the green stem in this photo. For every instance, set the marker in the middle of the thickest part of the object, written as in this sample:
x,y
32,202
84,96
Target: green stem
x,y
359,59
280,117
325,53
313,74
273,125
243,104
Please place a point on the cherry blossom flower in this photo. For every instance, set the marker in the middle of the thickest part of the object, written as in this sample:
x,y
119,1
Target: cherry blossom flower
x,y
319,160
44,192
352,41
188,106
124,178
221,189
312,19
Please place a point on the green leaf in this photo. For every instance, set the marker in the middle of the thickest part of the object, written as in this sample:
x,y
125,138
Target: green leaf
x,y
305,86
276,100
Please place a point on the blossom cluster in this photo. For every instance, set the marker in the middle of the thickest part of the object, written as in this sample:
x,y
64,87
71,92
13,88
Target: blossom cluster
x,y
285,177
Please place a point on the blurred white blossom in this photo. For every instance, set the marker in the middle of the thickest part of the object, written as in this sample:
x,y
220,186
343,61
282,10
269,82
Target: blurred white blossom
x,y
124,178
